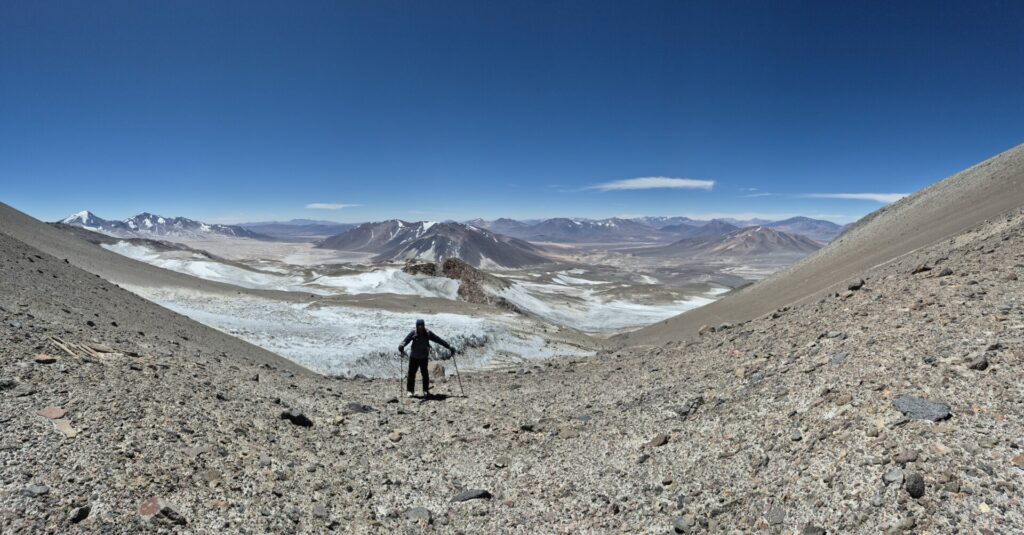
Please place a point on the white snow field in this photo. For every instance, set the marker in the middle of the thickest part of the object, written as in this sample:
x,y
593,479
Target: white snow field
x,y
388,280
352,341
582,309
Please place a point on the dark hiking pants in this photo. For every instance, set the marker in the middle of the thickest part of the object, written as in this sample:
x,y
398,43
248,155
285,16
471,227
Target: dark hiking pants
x,y
410,380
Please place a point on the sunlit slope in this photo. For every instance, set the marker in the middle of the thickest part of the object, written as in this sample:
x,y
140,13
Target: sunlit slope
x,y
938,212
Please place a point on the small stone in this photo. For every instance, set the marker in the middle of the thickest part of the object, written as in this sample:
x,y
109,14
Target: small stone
x,y
796,436
984,508
43,358
844,399
471,494
1018,460
157,508
893,476
855,285
394,436
658,441
643,458
906,524
296,417
35,491
922,409
684,524
502,462
945,272
80,514
906,456
567,431
51,412
810,529
358,408
776,516
64,427
914,483
419,514
979,363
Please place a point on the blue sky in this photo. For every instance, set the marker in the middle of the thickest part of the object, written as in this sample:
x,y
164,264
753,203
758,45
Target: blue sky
x,y
231,111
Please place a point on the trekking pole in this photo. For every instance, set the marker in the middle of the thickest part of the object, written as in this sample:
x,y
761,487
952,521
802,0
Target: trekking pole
x,y
400,393
457,374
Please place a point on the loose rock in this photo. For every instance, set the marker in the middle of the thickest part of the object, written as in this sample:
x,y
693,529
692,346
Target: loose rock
x,y
922,409
472,494
914,484
296,417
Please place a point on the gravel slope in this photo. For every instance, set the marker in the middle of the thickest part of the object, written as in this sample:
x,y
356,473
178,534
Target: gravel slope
x,y
783,424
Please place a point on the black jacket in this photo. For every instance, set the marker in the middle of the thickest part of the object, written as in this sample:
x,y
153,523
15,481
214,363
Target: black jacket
x,y
421,344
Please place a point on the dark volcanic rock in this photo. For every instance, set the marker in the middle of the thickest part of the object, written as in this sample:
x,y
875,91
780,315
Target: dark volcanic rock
x,y
296,417
80,514
471,494
922,409
914,483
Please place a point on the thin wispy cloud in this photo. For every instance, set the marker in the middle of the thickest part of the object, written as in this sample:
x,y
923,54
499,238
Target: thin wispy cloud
x,y
884,198
654,182
752,195
329,206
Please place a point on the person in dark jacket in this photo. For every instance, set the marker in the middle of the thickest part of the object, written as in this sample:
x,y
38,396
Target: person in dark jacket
x,y
418,356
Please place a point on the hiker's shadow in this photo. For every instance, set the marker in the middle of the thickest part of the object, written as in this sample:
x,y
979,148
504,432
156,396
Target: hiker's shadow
x,y
434,397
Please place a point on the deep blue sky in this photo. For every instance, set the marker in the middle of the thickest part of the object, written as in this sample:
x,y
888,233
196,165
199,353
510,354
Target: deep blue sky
x,y
229,111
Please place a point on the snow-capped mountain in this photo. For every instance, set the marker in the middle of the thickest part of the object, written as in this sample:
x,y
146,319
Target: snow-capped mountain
x,y
397,240
147,225
567,230
91,221
660,222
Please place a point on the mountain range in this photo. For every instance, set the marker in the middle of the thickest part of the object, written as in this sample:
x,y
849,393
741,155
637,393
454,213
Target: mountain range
x,y
649,229
298,229
396,240
759,241
147,225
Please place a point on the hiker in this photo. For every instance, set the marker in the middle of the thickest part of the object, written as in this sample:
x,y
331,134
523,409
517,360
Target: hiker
x,y
418,357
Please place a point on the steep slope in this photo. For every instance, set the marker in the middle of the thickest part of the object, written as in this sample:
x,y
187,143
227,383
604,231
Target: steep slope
x,y
938,212
815,229
88,307
374,237
109,265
